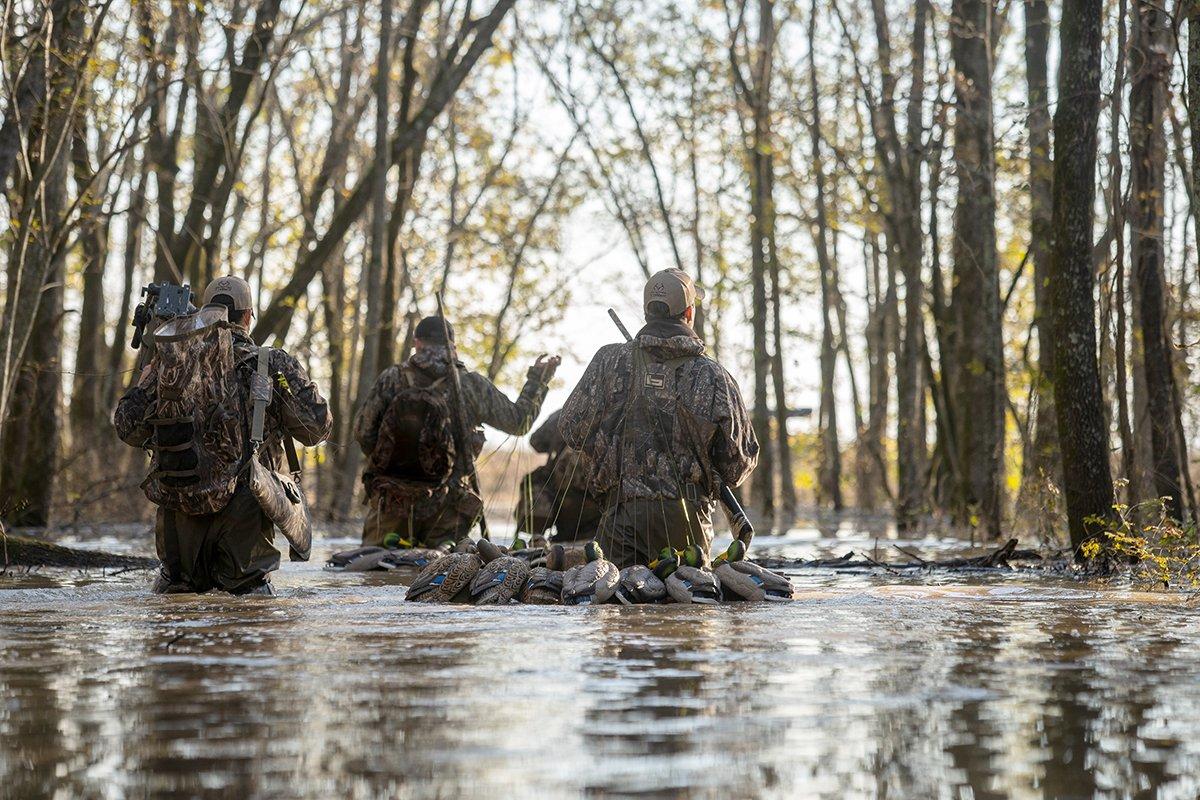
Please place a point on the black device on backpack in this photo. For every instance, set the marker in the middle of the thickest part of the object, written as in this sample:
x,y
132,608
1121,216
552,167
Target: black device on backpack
x,y
163,301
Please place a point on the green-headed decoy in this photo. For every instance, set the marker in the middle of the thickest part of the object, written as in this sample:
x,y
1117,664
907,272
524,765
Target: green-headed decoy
x,y
591,583
742,580
690,582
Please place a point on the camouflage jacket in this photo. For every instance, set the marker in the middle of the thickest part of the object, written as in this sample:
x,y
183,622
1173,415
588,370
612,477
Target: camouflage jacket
x,y
685,425
301,412
485,404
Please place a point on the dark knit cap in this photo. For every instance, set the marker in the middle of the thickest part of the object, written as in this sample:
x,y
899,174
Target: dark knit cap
x,y
431,330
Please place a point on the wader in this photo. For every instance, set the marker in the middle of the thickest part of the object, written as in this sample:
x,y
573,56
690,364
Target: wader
x,y
231,550
419,524
633,530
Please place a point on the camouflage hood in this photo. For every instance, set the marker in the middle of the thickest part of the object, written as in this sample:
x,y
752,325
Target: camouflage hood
x,y
667,339
431,359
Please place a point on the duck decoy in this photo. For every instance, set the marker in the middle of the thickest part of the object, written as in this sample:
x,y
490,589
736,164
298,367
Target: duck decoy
x,y
394,541
419,557
638,584
742,580
544,587
690,582
502,577
563,557
591,583
447,580
665,564
360,559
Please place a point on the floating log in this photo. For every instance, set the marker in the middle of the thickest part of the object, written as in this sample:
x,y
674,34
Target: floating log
x,y
22,551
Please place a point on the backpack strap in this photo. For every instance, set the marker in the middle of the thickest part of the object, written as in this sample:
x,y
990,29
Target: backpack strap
x,y
289,449
260,396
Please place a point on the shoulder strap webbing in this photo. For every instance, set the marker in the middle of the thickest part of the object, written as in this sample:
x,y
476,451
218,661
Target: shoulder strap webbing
x,y
260,394
289,448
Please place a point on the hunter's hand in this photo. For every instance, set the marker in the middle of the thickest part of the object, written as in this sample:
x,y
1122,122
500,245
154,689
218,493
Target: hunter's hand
x,y
544,368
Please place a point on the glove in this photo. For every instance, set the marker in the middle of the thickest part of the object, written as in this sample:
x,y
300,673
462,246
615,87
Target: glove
x,y
544,368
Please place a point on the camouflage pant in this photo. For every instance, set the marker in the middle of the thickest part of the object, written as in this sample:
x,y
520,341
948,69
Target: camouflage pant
x,y
428,528
544,504
633,532
230,550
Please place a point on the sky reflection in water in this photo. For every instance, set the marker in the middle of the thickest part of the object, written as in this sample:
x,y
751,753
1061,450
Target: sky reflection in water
x,y
866,687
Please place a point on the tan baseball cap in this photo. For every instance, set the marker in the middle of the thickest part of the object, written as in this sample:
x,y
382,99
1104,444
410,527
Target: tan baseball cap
x,y
673,287
233,286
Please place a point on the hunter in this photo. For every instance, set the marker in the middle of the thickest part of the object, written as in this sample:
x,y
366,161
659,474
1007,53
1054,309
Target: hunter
x,y
663,426
192,408
555,495
418,488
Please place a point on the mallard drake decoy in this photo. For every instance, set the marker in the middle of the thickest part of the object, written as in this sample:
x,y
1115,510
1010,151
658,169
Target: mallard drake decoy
x,y
544,587
419,557
665,564
360,559
742,580
447,580
394,541
593,582
690,583
639,584
502,577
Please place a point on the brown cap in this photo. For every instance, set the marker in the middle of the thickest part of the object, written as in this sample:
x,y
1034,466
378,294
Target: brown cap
x,y
675,288
234,287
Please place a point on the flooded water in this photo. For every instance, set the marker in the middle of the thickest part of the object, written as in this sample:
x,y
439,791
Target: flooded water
x,y
866,686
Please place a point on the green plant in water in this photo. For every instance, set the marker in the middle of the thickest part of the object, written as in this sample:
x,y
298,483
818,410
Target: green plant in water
x,y
1157,548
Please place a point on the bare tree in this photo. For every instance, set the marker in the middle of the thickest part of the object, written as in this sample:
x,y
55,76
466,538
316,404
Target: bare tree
x,y
978,379
1149,69
1083,435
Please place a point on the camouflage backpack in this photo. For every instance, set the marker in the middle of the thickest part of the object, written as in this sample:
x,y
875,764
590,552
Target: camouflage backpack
x,y
199,441
414,454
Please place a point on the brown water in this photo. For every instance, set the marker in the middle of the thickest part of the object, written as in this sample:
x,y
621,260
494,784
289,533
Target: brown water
x,y
866,686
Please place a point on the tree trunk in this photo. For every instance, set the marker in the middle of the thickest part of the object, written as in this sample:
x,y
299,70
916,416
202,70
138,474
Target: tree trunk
x,y
372,330
1043,460
1083,436
901,166
1125,428
30,368
1193,108
1150,69
976,294
787,479
873,473
87,392
829,479
761,221
135,219
30,445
